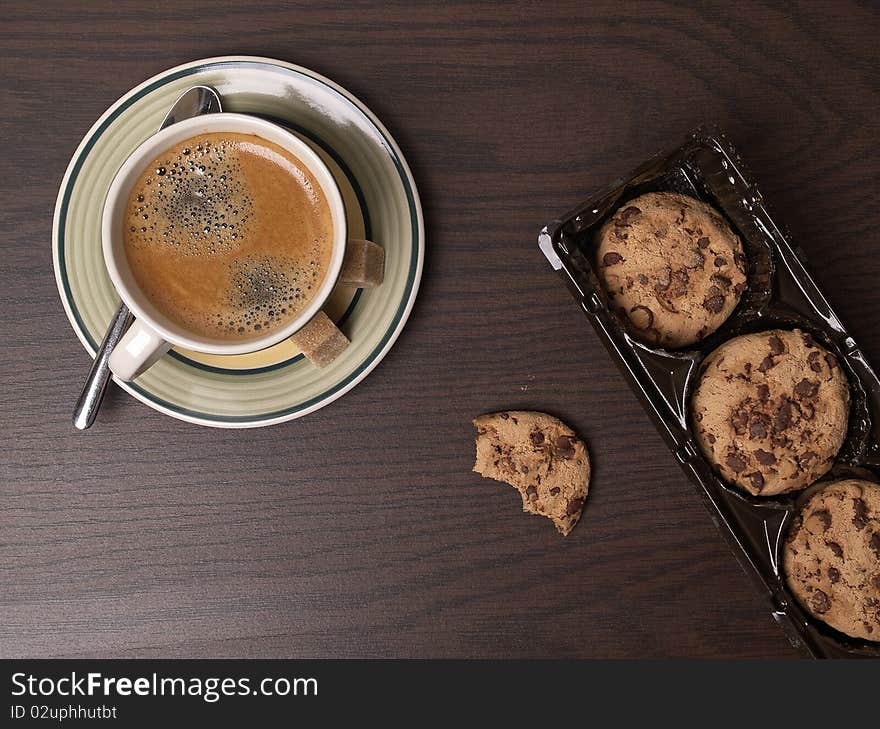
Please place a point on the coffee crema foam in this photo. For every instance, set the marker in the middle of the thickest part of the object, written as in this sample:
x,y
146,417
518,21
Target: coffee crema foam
x,y
228,235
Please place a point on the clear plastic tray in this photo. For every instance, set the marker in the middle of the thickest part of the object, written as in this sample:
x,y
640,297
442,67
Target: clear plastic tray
x,y
780,294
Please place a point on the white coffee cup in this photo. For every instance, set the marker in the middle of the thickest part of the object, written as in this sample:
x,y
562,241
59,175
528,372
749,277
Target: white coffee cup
x,y
152,333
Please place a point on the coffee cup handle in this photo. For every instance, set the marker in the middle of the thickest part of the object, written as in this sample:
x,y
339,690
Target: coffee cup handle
x,y
321,341
139,349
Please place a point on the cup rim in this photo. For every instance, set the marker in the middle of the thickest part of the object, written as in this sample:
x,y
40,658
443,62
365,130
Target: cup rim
x,y
143,154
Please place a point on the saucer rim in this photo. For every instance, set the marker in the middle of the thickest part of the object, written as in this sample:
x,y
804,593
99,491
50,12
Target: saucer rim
x,y
367,365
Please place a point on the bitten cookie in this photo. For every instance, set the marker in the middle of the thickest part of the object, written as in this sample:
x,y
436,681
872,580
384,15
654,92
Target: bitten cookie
x,y
770,411
541,457
832,557
671,267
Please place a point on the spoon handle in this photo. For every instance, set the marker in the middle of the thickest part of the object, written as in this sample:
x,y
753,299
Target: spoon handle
x,y
192,102
89,400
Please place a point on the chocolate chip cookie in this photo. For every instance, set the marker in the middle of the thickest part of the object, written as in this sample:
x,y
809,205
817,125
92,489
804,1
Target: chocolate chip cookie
x,y
832,557
541,457
672,268
770,411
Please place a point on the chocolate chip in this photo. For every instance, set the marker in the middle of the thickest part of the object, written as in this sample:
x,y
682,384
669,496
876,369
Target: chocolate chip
x,y
776,346
532,493
696,260
836,548
780,441
574,506
612,258
720,261
875,543
680,280
641,317
537,437
564,447
806,458
739,288
643,279
876,581
763,392
711,438
831,361
821,602
720,280
630,213
503,416
524,468
766,364
757,480
806,388
764,458
747,368
554,491
620,234
735,462
757,429
739,420
833,574
814,360
703,242
663,280
824,516
713,304
860,511
783,417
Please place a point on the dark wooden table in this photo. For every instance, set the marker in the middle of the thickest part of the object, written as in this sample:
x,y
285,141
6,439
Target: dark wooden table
x,y
360,530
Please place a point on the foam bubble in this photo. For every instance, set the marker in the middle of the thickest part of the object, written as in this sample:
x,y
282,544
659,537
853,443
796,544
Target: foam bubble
x,y
197,191
263,292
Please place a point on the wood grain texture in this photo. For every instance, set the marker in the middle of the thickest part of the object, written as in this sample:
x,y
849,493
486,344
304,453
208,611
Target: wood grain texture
x,y
360,530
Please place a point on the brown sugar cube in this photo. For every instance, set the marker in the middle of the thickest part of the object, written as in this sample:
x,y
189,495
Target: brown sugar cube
x,y
320,340
364,264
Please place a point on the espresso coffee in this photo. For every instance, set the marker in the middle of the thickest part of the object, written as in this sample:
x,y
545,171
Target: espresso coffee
x,y
228,235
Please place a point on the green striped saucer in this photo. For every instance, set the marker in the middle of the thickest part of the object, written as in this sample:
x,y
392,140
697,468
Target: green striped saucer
x,y
382,204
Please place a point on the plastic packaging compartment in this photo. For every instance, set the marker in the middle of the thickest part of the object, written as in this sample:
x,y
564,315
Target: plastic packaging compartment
x,y
780,294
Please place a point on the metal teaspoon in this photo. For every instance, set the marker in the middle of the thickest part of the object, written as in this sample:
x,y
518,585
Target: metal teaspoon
x,y
194,102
